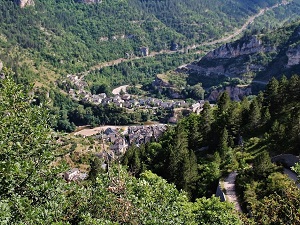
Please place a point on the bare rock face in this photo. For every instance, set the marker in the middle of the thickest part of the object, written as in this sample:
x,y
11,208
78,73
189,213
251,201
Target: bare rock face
x,y
158,82
24,3
293,55
235,93
234,59
230,50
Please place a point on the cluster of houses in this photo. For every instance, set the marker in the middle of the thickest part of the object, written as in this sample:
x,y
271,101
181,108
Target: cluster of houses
x,y
126,100
142,134
119,140
116,140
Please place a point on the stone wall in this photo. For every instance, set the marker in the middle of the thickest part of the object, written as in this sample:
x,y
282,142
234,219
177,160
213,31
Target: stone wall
x,y
220,193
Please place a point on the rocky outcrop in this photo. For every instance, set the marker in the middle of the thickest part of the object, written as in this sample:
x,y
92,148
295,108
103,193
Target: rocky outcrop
x,y
293,55
24,3
236,93
2,75
159,82
234,59
249,46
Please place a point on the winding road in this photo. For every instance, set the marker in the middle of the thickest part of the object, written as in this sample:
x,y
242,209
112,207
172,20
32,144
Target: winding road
x,y
218,41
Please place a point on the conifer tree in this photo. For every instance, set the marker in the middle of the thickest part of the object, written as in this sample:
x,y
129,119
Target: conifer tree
x,y
223,143
206,120
254,114
223,103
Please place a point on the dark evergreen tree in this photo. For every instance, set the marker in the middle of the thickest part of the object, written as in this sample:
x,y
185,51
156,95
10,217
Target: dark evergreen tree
x,y
223,143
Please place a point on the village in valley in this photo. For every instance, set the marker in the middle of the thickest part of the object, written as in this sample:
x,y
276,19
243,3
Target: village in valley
x,y
115,140
125,100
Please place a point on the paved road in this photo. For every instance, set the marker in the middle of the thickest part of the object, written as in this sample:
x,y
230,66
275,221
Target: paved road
x,y
230,193
292,176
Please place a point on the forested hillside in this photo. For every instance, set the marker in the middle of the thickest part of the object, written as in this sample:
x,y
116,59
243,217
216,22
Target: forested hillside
x,y
233,136
172,179
62,36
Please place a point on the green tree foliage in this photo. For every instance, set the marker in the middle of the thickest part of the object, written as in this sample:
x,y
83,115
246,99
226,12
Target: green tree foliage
x,y
212,212
32,193
220,131
29,188
281,203
262,164
223,143
296,169
119,198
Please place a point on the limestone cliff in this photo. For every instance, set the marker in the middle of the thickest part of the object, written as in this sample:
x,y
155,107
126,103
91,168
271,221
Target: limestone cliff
x,y
258,56
249,46
236,93
235,59
293,52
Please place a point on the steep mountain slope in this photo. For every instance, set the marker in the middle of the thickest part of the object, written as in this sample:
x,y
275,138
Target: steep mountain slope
x,y
69,36
259,56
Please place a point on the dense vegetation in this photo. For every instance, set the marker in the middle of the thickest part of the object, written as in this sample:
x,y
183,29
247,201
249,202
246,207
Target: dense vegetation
x,y
32,191
70,36
201,148
171,181
141,71
193,155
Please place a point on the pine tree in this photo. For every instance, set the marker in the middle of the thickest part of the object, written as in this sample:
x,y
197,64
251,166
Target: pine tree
x,y
183,165
254,115
271,94
223,143
223,103
206,120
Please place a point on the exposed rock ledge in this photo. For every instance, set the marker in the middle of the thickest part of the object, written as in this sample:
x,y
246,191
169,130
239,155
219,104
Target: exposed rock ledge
x,y
236,93
238,48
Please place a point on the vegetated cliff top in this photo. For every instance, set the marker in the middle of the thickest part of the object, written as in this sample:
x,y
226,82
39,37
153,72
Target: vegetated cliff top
x,y
260,55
